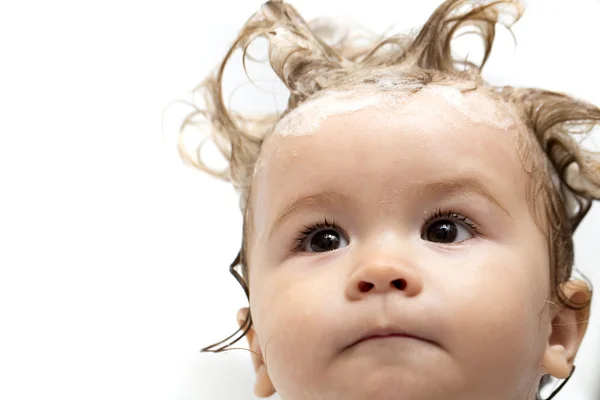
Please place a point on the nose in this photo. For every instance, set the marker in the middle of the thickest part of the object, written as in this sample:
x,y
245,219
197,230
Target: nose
x,y
380,277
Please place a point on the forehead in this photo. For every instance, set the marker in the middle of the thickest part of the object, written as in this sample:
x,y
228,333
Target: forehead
x,y
375,147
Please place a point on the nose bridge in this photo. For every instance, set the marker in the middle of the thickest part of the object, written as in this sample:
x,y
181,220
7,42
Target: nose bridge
x,y
385,264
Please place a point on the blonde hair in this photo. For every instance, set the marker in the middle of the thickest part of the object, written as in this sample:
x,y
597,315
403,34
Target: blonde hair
x,y
313,58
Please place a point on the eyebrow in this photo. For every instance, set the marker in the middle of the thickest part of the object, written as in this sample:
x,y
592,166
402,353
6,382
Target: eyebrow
x,y
314,202
339,199
464,185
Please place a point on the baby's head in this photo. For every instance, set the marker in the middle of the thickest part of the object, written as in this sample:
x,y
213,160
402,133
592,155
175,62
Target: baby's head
x,y
400,194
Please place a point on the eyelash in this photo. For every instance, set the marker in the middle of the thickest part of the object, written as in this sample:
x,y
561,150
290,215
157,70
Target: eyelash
x,y
439,214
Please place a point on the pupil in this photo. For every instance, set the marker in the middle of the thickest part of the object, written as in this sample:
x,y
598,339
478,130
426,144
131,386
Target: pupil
x,y
325,241
442,231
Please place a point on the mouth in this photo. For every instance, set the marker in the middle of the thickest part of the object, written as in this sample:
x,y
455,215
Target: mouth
x,y
379,334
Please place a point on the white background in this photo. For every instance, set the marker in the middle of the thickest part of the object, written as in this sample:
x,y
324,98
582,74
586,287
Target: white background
x,y
113,254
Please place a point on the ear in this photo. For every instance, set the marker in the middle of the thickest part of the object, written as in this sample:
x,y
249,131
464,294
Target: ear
x,y
263,387
567,330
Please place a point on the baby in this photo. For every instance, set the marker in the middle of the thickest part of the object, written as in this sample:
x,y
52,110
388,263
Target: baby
x,y
408,228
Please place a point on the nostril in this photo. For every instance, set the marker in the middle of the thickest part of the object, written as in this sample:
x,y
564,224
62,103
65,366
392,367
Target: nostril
x,y
365,286
399,283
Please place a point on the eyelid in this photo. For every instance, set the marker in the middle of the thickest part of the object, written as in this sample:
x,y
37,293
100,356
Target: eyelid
x,y
439,214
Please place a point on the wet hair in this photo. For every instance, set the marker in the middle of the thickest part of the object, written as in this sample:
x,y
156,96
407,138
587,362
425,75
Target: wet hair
x,y
312,58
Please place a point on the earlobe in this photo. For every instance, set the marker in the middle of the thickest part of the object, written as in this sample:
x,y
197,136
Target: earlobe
x,y
567,329
263,387
556,362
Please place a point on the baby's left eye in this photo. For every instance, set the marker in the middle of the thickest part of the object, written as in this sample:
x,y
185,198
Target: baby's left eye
x,y
448,228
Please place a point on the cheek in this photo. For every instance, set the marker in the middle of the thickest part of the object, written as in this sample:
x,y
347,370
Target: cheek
x,y
292,327
287,314
497,309
506,287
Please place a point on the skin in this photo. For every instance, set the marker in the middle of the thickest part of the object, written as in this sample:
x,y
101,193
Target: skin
x,y
480,302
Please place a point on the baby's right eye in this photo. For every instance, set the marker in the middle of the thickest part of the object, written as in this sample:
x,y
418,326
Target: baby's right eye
x,y
320,238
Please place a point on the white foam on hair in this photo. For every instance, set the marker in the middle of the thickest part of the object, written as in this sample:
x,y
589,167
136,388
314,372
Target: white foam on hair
x,y
476,106
391,94
307,118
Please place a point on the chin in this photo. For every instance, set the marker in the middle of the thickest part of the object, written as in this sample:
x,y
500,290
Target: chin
x,y
388,383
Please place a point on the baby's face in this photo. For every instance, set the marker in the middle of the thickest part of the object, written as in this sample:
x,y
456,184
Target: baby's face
x,y
433,237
